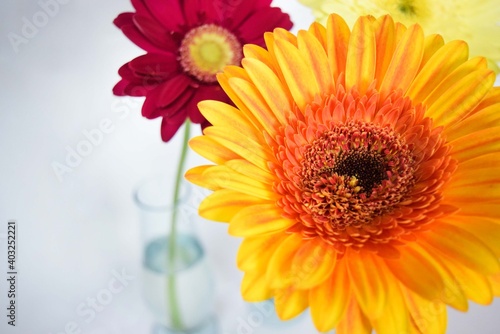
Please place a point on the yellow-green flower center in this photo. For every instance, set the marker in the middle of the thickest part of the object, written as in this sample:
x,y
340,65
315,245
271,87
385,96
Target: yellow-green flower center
x,y
207,49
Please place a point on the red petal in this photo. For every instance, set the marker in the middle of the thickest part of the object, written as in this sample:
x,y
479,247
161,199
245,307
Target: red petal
x,y
133,33
155,32
167,12
123,19
155,66
266,20
169,126
166,94
212,92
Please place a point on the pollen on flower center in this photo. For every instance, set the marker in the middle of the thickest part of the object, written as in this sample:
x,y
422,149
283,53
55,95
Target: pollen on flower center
x,y
207,49
354,173
367,168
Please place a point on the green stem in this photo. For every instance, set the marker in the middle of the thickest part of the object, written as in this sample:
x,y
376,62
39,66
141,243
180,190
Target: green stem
x,y
172,294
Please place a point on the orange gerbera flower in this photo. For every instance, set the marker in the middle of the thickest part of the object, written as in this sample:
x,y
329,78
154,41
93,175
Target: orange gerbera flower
x,y
361,167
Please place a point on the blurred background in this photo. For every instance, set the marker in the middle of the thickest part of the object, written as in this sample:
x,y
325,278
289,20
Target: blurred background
x,y
78,227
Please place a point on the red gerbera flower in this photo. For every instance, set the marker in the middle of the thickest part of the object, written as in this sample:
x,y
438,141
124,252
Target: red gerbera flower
x,y
187,43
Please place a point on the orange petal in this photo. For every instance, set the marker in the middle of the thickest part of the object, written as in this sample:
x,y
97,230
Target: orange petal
x,y
298,76
486,230
315,56
337,36
486,118
354,321
386,43
475,285
361,56
405,62
259,219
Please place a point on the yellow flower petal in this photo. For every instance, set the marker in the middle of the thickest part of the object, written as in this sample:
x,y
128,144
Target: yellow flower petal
x,y
208,148
337,35
368,283
258,219
290,302
463,248
255,252
405,62
312,264
428,315
329,300
297,75
395,318
254,288
223,204
354,321
279,268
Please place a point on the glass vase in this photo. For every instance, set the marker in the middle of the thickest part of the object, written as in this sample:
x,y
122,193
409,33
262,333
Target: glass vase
x,y
177,283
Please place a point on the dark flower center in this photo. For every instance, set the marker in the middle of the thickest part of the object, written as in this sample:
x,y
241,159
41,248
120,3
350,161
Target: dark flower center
x,y
369,168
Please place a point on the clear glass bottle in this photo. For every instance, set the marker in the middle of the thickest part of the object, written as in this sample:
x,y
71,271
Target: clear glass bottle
x,y
177,282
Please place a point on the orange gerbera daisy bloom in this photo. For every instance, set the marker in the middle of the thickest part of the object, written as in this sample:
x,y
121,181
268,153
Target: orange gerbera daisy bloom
x,y
362,170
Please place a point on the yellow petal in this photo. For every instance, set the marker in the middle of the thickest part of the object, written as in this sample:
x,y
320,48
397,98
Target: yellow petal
x,y
223,204
290,302
486,230
313,264
428,315
254,287
405,62
255,253
299,78
386,43
432,44
211,150
329,300
475,285
461,98
361,56
241,145
195,175
319,31
486,118
273,91
316,59
476,144
495,284
354,321
463,248
440,65
224,115
259,219
337,35
227,178
246,168
415,270
250,96
278,271
395,318
366,272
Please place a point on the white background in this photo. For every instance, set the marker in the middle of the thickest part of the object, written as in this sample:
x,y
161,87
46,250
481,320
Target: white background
x,y
76,230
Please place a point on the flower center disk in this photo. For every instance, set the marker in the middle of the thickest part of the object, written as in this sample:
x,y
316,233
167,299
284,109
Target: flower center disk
x,y
207,49
353,173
